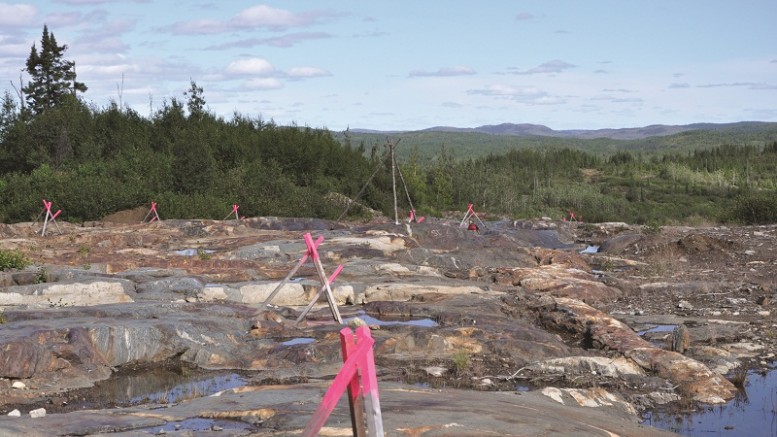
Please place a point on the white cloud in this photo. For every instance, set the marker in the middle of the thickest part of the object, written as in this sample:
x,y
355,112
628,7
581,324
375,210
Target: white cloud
x,y
199,27
14,47
554,66
266,16
263,83
443,72
528,95
252,66
96,2
308,72
115,70
17,15
288,40
748,85
523,16
260,16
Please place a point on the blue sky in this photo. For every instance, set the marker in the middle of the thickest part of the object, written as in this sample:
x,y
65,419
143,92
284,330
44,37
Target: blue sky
x,y
406,65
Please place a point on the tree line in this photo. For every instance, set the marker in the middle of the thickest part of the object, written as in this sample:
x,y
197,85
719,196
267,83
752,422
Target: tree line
x,y
93,161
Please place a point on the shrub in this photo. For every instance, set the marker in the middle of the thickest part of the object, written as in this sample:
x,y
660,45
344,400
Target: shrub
x,y
755,208
12,259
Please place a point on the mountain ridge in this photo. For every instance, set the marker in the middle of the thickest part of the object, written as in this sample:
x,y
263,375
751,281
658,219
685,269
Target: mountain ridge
x,y
538,130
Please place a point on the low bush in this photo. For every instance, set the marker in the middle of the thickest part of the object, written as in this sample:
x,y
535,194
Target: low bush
x,y
755,208
12,259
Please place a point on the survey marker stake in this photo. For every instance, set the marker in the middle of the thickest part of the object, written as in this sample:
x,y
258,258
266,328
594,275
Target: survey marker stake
x,y
358,376
312,253
152,211
49,218
235,207
471,213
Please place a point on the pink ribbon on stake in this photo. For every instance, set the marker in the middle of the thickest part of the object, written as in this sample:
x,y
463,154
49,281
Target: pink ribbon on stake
x,y
312,251
414,217
49,217
358,369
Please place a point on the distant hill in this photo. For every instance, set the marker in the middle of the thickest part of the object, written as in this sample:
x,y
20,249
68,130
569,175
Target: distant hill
x,y
635,133
464,143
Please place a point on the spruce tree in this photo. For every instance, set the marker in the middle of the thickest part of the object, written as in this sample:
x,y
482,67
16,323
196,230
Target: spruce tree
x,y
51,76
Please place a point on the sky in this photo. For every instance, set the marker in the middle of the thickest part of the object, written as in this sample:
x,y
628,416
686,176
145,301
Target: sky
x,y
413,64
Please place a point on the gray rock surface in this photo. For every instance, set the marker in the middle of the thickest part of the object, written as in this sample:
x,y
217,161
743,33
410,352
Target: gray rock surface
x,y
514,306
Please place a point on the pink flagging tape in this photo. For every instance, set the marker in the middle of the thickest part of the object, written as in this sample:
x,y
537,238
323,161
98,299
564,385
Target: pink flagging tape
x,y
572,218
347,345
355,395
357,362
49,217
235,207
414,218
152,211
469,215
321,290
334,274
311,246
301,262
370,385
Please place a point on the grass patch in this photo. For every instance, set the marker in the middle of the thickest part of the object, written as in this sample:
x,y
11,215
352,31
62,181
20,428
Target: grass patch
x,y
739,377
461,360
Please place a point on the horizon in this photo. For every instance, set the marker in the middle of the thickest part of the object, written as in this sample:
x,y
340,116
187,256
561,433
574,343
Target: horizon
x,y
409,66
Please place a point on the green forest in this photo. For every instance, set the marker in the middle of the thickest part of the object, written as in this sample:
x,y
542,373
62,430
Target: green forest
x,y
92,161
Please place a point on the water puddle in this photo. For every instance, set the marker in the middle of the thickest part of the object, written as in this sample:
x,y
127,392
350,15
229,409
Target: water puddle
x,y
657,334
198,424
161,386
657,329
753,412
300,340
424,323
193,252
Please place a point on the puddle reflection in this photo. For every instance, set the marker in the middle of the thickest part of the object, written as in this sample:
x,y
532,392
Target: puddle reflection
x,y
300,340
161,386
753,412
193,252
425,323
200,425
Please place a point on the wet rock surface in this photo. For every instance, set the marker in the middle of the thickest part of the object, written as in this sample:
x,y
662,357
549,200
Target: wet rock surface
x,y
511,331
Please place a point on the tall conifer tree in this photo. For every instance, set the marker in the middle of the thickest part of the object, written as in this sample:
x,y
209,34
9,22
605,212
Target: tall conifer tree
x,y
51,76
